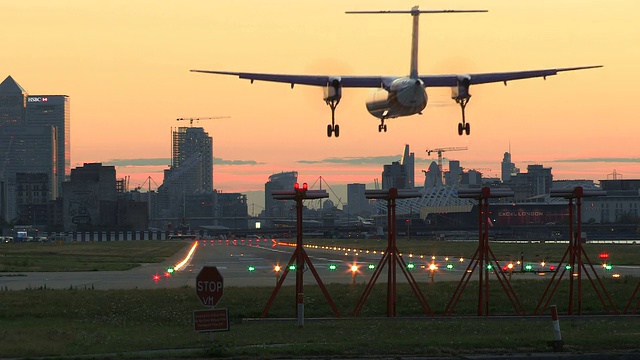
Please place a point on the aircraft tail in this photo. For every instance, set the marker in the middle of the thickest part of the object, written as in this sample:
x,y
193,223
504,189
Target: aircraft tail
x,y
415,13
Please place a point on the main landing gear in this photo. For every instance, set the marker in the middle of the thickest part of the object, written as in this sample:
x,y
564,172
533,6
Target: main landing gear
x,y
463,126
382,127
333,128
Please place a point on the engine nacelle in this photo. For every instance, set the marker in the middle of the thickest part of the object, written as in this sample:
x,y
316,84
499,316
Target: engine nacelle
x,y
378,103
461,91
333,90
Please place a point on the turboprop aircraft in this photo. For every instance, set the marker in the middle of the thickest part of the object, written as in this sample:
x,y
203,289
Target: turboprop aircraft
x,y
399,95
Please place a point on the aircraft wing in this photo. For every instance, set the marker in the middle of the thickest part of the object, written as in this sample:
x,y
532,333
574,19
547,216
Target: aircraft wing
x,y
314,80
384,81
452,80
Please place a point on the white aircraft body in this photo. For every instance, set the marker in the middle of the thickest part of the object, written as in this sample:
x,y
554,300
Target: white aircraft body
x,y
399,95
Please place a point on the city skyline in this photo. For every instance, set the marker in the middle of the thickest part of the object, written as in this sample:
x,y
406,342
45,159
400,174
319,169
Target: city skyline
x,y
127,73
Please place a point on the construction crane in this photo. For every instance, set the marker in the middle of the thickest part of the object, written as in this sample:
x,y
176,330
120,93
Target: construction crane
x,y
202,118
440,151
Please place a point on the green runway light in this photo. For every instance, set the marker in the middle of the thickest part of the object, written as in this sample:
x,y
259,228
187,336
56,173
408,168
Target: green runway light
x,y
292,268
332,267
170,270
410,266
371,266
251,268
528,267
449,266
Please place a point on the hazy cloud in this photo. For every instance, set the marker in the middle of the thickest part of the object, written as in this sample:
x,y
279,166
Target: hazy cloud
x,y
219,161
138,162
167,162
375,160
355,160
605,160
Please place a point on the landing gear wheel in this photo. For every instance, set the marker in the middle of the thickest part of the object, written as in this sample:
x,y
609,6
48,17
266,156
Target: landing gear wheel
x,y
460,129
379,128
384,127
329,130
467,129
336,130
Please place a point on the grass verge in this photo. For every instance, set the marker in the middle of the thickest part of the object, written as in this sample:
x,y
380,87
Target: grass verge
x,y
77,322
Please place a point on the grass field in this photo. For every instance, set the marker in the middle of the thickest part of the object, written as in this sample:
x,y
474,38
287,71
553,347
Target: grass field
x,y
75,322
84,256
37,323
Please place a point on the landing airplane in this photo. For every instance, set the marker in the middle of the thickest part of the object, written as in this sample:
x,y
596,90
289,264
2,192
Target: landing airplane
x,y
399,95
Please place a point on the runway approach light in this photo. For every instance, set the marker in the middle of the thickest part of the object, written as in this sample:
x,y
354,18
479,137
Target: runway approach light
x,y
528,267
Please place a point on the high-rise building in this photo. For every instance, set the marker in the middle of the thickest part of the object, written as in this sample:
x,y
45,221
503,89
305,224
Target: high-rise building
x,y
53,110
25,149
188,141
394,176
408,161
280,181
90,190
508,169
357,202
35,138
12,102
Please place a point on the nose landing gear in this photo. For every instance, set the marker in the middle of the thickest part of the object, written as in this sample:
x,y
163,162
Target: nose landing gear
x,y
382,127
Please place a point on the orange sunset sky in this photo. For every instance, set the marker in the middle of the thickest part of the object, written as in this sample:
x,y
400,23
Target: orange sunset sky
x,y
125,66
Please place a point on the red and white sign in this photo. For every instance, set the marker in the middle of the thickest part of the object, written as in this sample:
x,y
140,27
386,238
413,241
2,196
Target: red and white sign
x,y
209,286
211,320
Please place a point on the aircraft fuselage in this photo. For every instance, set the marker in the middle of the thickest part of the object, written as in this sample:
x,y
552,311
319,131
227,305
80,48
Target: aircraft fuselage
x,y
405,96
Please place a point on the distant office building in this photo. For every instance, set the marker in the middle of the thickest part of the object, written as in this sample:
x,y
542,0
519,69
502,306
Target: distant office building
x,y
281,181
33,195
34,137
621,205
508,168
357,202
232,210
90,190
408,161
13,99
532,186
25,149
394,176
53,110
180,182
453,176
188,141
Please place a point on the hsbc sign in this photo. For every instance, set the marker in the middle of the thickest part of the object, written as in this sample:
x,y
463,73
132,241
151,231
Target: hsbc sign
x,y
37,99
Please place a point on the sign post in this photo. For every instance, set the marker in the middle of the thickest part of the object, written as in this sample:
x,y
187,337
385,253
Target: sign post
x,y
209,288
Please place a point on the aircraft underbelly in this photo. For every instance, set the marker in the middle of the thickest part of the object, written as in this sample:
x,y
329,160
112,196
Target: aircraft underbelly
x,y
404,101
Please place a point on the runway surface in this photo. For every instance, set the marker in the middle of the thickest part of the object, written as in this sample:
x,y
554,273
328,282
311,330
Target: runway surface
x,y
233,262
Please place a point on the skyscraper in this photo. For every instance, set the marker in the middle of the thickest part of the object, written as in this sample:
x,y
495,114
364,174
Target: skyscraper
x,y
508,168
53,110
408,161
12,102
34,138
189,141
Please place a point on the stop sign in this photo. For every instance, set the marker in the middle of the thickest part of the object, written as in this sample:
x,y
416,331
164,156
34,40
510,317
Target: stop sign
x,y
209,285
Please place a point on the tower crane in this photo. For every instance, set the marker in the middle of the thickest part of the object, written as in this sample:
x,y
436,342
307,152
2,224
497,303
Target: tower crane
x,y
440,151
202,118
